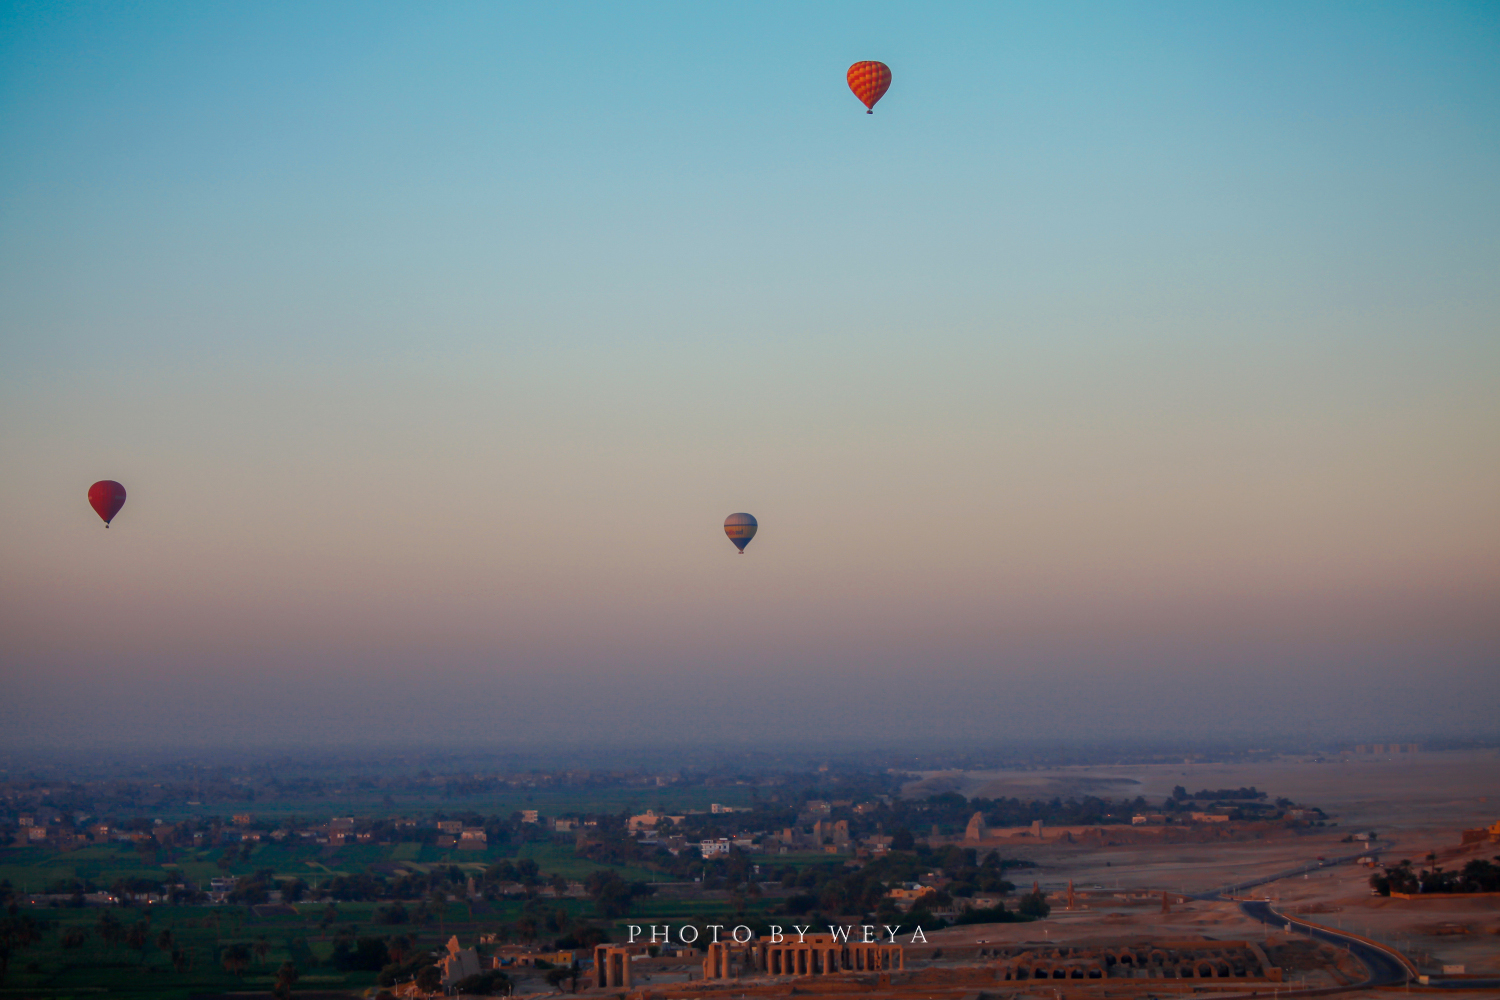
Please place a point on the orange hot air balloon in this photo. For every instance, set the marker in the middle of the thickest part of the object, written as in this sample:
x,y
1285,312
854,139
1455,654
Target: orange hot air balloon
x,y
869,81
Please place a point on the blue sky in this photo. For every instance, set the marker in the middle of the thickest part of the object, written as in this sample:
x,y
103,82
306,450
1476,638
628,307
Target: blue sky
x,y
1132,344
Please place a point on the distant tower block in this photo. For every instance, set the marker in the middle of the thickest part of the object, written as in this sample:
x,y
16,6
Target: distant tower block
x,y
977,830
1070,894
1166,904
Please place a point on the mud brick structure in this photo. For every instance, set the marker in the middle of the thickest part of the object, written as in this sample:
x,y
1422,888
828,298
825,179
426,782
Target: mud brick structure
x,y
1141,960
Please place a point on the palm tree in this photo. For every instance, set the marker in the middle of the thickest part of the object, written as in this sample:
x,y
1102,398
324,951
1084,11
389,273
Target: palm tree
x,y
438,900
286,977
236,959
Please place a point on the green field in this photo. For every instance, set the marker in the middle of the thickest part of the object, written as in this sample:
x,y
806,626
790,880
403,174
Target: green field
x,y
560,858
551,802
31,869
801,859
48,970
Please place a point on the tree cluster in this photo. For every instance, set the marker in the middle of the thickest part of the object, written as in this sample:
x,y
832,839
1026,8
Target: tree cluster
x,y
1476,876
835,889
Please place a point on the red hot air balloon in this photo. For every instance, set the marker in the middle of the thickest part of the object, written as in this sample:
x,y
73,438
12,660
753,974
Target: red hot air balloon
x,y
740,528
869,81
107,497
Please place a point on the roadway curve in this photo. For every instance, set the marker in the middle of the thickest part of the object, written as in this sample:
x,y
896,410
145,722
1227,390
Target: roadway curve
x,y
1384,968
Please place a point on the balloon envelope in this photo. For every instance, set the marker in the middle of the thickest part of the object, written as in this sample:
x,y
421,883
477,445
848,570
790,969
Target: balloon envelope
x,y
107,497
869,80
740,528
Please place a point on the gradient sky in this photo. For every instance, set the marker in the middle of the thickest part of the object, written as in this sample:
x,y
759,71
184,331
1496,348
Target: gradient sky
x,y
1133,369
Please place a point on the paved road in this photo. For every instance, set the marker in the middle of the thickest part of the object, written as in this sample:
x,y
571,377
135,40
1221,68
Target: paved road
x,y
1384,969
1374,850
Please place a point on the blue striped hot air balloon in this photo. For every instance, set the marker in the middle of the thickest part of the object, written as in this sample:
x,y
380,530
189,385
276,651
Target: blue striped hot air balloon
x,y
740,528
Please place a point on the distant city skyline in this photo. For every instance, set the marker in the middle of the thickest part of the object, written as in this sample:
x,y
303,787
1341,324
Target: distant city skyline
x,y
1130,372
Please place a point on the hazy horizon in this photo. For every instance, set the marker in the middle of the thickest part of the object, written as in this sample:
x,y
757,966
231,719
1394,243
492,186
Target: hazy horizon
x,y
1130,374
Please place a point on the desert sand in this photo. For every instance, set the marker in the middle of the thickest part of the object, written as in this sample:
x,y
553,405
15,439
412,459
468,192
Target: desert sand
x,y
1415,803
